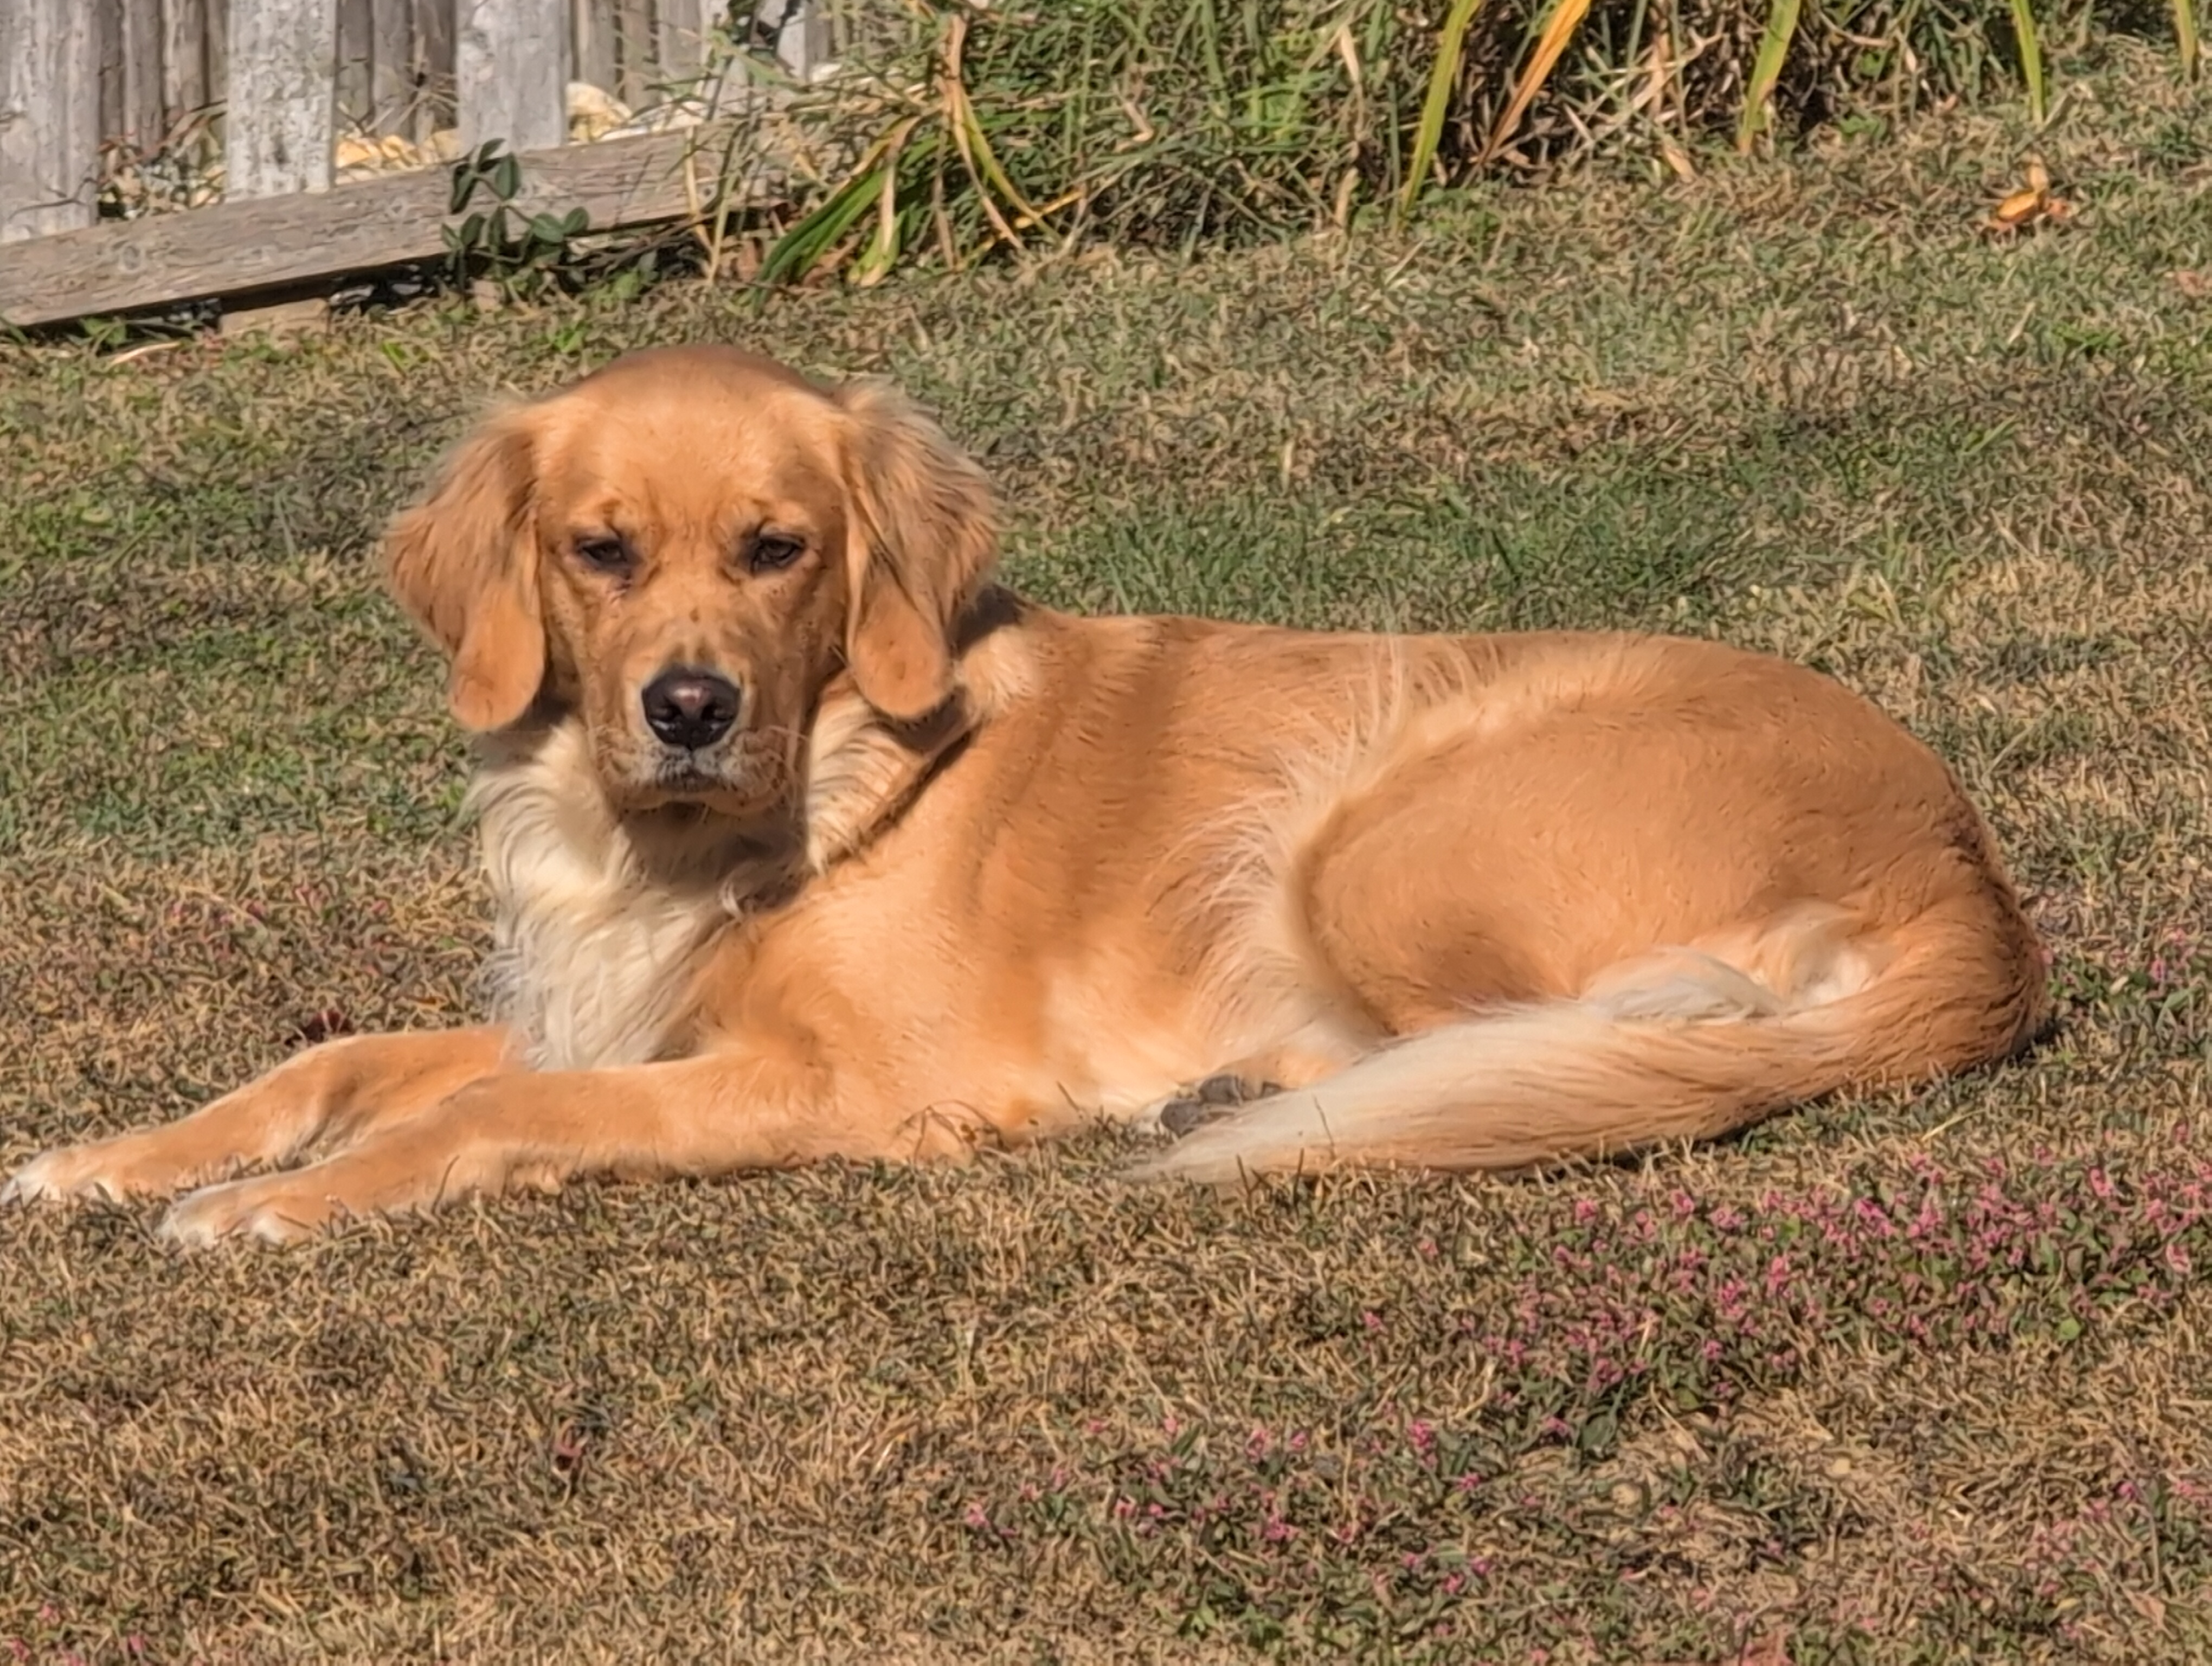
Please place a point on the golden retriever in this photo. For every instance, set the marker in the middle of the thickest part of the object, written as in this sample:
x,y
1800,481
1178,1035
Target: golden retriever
x,y
806,841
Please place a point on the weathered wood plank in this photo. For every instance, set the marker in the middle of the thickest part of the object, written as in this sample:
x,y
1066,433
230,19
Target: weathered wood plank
x,y
237,246
356,106
510,72
676,38
49,118
593,21
687,29
184,86
433,65
802,44
217,48
107,23
141,74
635,74
278,107
391,66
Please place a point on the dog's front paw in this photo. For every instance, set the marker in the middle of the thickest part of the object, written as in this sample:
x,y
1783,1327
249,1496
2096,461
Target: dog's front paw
x,y
75,1171
274,1209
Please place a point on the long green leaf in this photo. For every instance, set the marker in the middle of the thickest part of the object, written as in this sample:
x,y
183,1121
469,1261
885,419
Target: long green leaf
x,y
2184,35
798,250
1767,70
882,250
2031,57
1443,75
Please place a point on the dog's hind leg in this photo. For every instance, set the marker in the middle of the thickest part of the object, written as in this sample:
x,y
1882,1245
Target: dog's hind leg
x,y
339,1091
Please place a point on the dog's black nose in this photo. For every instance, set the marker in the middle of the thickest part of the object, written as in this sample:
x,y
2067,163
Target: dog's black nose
x,y
690,709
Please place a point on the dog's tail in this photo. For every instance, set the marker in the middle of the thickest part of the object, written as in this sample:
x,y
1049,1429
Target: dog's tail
x,y
1686,1044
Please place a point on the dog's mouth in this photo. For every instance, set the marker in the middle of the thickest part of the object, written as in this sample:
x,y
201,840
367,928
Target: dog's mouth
x,y
684,774
711,783
739,777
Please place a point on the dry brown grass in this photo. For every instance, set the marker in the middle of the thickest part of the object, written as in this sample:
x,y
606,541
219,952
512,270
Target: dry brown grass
x,y
1953,1406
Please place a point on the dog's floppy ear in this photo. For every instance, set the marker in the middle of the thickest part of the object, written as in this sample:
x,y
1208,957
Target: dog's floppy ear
x,y
923,533
464,562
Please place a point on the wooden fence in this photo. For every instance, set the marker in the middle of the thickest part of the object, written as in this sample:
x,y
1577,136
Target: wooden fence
x,y
275,90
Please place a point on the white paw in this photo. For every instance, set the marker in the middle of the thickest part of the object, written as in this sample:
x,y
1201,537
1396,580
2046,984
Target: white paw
x,y
254,1209
71,1172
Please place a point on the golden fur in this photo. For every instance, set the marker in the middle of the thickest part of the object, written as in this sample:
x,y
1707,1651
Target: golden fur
x,y
964,870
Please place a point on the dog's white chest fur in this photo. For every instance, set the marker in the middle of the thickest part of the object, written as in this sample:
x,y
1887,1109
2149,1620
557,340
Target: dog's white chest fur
x,y
595,941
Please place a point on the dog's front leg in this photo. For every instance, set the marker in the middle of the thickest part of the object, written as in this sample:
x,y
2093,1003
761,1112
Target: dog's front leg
x,y
341,1089
707,1115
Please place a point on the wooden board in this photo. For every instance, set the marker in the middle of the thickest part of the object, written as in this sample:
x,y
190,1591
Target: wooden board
x,y
356,105
633,45
434,61
392,66
141,76
107,26
237,246
510,72
183,58
678,48
593,23
282,99
49,118
217,66
802,44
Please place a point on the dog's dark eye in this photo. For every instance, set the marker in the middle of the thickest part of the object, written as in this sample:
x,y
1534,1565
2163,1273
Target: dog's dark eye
x,y
609,555
773,552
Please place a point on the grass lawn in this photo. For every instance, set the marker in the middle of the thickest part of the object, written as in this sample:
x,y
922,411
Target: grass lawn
x,y
1909,1378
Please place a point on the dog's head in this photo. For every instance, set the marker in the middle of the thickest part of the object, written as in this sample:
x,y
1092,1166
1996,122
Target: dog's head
x,y
683,549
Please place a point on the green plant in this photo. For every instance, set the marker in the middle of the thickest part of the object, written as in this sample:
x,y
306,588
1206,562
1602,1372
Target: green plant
x,y
524,254
1443,75
1170,123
